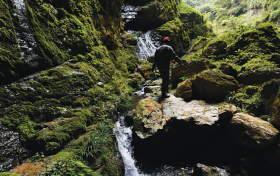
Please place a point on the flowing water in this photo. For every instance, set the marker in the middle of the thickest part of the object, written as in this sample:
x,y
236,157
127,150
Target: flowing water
x,y
25,37
146,46
147,42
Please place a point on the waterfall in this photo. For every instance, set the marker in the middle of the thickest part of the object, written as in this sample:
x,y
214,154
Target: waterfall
x,y
25,37
124,138
145,45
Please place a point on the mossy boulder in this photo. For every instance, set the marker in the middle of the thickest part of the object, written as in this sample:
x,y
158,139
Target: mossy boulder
x,y
145,70
215,48
226,112
184,89
135,79
128,39
178,35
257,70
148,118
153,14
259,76
270,92
251,132
188,69
227,69
213,85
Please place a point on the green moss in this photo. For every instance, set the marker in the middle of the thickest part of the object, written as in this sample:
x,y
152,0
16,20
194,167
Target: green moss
x,y
9,54
8,174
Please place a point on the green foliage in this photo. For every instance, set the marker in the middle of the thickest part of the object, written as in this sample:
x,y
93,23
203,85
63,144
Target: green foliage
x,y
99,139
241,99
8,174
67,164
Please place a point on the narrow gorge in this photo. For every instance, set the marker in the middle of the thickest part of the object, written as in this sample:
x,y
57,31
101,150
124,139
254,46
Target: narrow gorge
x,y
78,95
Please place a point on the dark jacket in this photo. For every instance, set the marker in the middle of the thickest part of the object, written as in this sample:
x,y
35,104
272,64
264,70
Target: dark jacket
x,y
165,54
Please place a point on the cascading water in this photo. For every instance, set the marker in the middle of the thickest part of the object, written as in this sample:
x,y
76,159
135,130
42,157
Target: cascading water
x,y
145,45
25,37
124,138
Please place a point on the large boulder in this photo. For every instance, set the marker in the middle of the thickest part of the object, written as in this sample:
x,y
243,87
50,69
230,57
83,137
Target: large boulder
x,y
227,69
184,89
135,79
251,132
157,14
226,112
260,75
187,69
213,85
148,118
270,92
175,130
146,71
216,48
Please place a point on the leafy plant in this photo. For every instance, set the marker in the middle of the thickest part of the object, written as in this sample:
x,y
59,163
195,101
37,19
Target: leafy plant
x,y
98,141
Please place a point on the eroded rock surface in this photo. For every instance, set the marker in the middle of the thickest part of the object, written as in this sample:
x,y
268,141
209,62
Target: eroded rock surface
x,y
251,132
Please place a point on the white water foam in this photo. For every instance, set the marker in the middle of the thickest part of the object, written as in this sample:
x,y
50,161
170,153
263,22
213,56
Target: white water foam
x,y
124,138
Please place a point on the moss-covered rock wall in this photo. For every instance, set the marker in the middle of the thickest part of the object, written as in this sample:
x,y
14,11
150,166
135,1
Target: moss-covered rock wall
x,y
81,81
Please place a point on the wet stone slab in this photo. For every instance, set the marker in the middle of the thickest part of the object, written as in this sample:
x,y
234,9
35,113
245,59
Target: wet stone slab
x,y
12,153
198,109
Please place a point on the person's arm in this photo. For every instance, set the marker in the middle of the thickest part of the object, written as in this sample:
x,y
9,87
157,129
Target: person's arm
x,y
175,56
155,60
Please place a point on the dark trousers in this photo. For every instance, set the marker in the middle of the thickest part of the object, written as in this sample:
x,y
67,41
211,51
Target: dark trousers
x,y
165,81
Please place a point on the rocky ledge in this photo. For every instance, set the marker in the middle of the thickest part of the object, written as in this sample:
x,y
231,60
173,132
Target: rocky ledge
x,y
172,131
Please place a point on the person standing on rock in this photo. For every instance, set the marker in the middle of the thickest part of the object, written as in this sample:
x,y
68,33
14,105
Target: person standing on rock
x,y
164,54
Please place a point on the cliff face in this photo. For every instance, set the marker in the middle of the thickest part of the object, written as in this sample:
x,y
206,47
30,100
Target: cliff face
x,y
78,61
61,30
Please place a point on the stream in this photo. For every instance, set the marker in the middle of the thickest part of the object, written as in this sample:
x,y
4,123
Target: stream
x,y
147,42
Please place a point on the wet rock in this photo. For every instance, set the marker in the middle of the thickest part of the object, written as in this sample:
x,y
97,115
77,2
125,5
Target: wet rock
x,y
270,92
226,112
100,84
151,89
154,11
216,48
269,88
260,75
227,69
181,128
203,170
129,39
157,82
187,69
184,89
148,118
146,71
12,151
251,132
213,85
135,79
